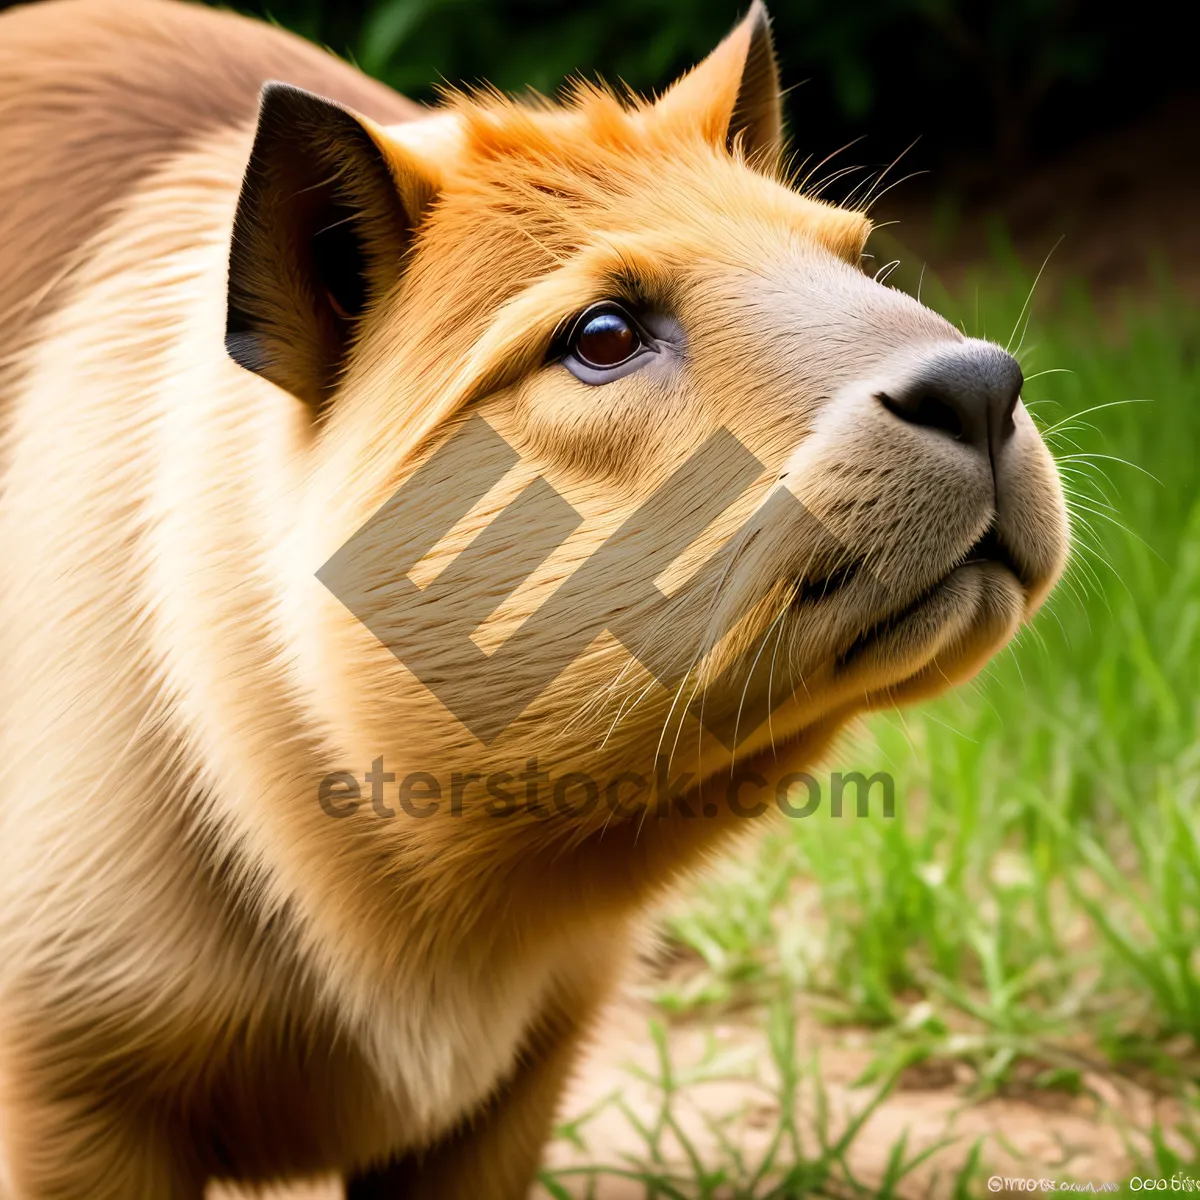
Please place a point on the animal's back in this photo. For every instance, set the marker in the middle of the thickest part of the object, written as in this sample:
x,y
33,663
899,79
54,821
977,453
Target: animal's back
x,y
104,107
97,94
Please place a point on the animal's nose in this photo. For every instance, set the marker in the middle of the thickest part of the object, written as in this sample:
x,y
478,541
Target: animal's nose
x,y
968,392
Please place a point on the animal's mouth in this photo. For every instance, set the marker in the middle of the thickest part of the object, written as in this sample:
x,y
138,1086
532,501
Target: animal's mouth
x,y
989,549
992,548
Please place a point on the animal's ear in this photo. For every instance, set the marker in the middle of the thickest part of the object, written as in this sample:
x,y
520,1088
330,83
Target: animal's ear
x,y
328,205
734,93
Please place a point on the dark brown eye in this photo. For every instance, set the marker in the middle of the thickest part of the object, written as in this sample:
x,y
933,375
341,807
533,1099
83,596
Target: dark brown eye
x,y
605,338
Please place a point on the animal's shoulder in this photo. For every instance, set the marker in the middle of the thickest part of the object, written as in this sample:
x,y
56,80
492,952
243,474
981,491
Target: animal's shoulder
x,y
96,94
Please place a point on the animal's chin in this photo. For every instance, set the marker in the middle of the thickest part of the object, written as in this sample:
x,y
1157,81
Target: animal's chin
x,y
852,647
949,627
965,617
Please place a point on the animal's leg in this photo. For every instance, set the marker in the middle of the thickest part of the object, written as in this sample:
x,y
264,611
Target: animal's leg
x,y
495,1154
72,1150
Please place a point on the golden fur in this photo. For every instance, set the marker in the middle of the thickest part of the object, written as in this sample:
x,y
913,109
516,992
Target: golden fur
x,y
201,974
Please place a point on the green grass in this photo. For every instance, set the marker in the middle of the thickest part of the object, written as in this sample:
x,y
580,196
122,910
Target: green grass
x,y
1033,909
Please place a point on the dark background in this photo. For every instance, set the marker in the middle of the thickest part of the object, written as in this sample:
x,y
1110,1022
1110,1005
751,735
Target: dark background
x,y
992,84
1040,123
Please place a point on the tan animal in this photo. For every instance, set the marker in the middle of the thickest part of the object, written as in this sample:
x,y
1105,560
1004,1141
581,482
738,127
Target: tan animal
x,y
230,330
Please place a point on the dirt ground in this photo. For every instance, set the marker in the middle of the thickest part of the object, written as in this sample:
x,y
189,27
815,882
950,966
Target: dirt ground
x,y
1042,1135
1060,1139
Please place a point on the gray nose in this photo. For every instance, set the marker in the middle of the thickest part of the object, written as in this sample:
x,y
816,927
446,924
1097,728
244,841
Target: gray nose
x,y
968,392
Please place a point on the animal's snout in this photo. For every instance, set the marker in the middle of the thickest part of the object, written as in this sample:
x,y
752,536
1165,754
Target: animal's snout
x,y
968,393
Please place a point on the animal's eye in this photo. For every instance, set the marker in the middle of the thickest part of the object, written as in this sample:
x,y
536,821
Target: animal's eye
x,y
605,337
605,343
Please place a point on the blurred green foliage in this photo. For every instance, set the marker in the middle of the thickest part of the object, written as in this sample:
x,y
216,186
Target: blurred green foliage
x,y
990,80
